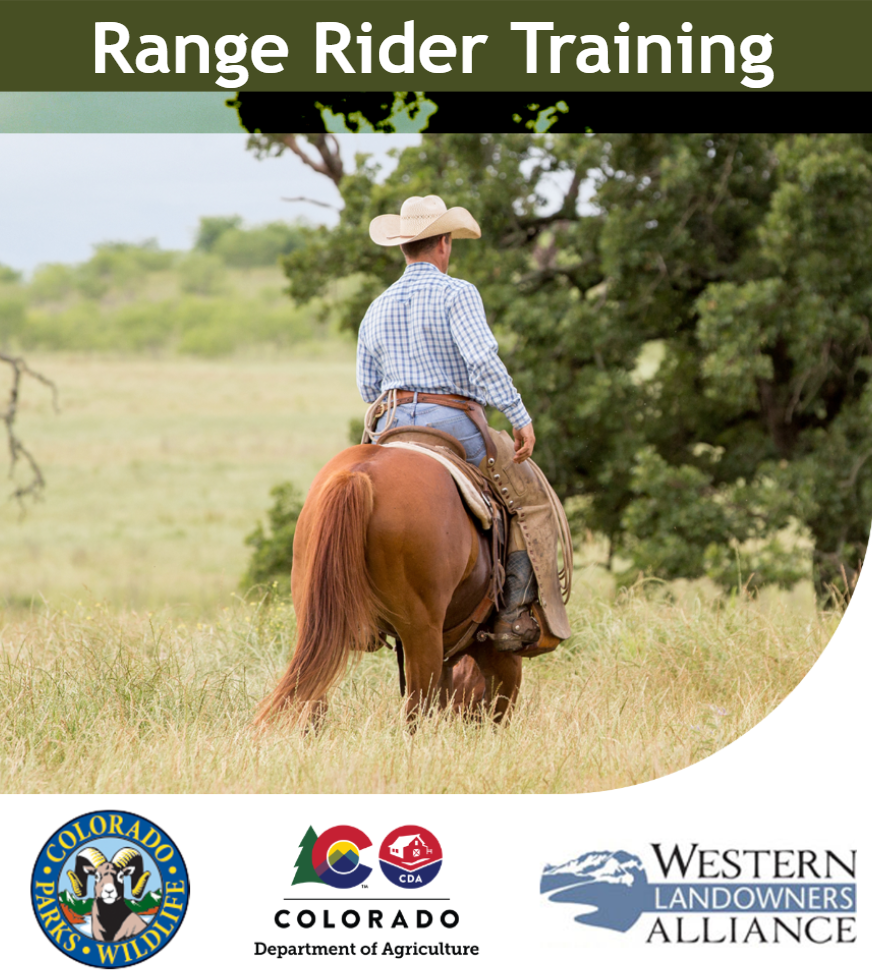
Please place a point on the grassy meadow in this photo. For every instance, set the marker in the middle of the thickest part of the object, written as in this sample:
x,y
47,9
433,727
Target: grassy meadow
x,y
129,660
157,469
130,663
96,701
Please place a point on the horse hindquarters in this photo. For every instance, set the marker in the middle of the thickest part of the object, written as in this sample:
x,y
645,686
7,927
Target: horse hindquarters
x,y
383,540
333,595
419,546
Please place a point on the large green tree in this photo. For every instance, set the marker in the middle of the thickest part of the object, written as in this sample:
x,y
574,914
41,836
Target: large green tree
x,y
687,317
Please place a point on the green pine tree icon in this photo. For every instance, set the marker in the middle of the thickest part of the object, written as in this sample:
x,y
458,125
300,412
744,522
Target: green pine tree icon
x,y
305,870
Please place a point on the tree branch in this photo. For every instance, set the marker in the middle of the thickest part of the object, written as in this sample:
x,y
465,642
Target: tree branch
x,y
311,200
858,465
574,273
17,450
274,144
328,148
528,227
725,176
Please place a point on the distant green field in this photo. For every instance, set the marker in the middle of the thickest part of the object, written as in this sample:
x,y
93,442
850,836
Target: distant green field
x,y
227,294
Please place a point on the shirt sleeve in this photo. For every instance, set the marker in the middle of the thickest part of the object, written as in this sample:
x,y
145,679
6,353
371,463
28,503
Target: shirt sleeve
x,y
368,374
479,350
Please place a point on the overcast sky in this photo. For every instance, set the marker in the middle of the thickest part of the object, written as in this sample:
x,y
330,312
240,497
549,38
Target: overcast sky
x,y
62,193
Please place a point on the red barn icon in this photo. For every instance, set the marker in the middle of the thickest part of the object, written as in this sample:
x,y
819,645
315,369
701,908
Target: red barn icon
x,y
411,849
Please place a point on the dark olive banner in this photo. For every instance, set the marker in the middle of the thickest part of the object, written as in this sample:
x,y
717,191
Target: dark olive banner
x,y
451,46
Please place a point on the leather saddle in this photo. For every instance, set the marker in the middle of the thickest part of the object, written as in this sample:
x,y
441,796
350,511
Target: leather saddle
x,y
491,519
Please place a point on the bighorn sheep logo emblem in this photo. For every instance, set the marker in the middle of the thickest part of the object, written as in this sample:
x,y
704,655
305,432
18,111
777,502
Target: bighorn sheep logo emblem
x,y
111,917
110,912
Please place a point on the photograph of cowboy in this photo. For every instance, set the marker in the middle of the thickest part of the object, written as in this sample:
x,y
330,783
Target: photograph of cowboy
x,y
381,552
427,339
673,329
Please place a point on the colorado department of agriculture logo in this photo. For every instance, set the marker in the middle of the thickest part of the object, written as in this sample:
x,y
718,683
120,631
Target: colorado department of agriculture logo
x,y
410,856
109,888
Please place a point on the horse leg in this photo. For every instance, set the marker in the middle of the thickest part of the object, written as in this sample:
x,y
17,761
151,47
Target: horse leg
x,y
446,688
469,687
317,712
502,681
401,666
424,670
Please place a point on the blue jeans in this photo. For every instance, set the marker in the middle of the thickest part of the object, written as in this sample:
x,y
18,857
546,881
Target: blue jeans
x,y
454,421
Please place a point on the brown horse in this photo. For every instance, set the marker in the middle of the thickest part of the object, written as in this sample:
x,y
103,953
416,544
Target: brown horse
x,y
385,545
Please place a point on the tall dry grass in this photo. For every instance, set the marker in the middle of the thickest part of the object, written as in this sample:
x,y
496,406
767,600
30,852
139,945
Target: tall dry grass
x,y
158,468
98,701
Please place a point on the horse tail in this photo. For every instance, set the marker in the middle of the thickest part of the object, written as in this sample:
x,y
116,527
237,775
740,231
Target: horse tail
x,y
337,611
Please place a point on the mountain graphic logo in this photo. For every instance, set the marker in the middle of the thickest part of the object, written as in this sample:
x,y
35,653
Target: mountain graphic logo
x,y
343,857
612,887
333,858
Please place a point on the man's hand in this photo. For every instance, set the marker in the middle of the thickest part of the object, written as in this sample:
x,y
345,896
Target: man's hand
x,y
525,439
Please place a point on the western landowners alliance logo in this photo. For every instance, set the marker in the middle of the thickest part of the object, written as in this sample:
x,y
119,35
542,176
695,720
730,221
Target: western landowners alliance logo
x,y
109,888
712,895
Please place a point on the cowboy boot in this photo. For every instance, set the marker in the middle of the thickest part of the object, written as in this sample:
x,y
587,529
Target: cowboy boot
x,y
535,528
515,626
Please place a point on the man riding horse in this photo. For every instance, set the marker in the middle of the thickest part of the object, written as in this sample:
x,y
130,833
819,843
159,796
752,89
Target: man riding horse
x,y
426,341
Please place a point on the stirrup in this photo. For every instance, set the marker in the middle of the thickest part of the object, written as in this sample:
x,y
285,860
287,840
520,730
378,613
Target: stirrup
x,y
510,636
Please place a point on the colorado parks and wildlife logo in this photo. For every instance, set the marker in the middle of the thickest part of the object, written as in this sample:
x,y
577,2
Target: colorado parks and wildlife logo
x,y
109,888
410,856
707,895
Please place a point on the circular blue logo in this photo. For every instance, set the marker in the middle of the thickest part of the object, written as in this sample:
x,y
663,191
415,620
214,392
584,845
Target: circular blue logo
x,y
110,889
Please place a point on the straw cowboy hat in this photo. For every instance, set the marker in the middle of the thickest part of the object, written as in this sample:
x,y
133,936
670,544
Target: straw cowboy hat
x,y
422,217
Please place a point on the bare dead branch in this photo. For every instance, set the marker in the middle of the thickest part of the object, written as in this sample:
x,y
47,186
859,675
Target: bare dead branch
x,y
17,450
274,144
328,148
311,200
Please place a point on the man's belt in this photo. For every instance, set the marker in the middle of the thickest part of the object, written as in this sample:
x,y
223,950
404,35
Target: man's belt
x,y
472,408
446,400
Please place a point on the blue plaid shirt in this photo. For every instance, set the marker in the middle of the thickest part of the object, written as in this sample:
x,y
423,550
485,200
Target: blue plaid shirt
x,y
428,333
